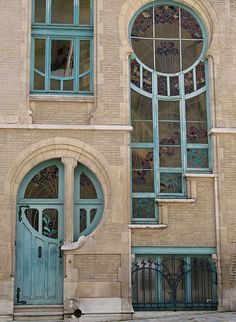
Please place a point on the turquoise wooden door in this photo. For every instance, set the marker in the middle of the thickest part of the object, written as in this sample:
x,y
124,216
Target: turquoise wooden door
x,y
39,236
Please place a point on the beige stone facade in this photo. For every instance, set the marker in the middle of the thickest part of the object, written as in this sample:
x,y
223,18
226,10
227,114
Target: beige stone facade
x,y
95,131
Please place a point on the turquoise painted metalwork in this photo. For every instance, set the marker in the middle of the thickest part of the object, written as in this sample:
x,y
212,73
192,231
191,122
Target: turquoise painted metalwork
x,y
74,33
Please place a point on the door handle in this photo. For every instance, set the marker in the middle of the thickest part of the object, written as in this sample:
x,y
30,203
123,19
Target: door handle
x,y
59,248
39,251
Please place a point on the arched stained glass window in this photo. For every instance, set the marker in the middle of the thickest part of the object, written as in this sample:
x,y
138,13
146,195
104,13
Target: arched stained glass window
x,y
169,104
88,202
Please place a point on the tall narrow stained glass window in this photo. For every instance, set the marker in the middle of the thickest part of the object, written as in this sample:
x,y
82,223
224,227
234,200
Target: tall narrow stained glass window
x,y
62,47
169,104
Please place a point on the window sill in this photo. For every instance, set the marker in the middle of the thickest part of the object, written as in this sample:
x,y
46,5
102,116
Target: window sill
x,y
147,226
200,175
61,98
175,200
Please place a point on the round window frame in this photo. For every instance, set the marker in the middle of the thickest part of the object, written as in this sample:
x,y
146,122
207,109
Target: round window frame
x,y
205,38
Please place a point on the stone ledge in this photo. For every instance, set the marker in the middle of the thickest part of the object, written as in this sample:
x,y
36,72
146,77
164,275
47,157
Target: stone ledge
x,y
19,126
147,226
60,98
175,200
222,130
201,175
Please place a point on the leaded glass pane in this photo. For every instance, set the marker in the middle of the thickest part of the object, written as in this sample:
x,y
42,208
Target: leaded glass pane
x,y
170,182
92,214
83,220
147,81
39,58
170,156
191,51
142,175
39,82
32,216
197,158
200,75
84,56
166,21
162,85
50,223
196,118
143,208
40,11
84,12
55,84
62,11
44,185
135,72
84,83
169,133
141,114
168,110
62,58
188,82
87,189
167,56
143,48
190,28
174,85
143,24
68,85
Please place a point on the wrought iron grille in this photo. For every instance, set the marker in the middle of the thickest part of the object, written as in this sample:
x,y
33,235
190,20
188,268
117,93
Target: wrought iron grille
x,y
174,283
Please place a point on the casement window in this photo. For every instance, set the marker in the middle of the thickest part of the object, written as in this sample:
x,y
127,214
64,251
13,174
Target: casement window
x,y
62,47
169,104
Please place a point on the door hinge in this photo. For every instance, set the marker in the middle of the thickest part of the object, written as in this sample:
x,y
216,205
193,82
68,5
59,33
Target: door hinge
x,y
20,211
18,290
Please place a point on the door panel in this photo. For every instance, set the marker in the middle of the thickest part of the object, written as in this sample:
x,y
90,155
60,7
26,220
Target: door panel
x,y
39,267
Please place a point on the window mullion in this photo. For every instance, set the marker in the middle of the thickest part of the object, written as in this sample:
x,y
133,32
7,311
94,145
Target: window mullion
x,y
76,12
47,64
48,11
155,133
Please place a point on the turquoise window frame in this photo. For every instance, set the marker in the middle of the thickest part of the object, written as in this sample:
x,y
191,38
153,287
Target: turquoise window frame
x,y
73,32
181,98
87,204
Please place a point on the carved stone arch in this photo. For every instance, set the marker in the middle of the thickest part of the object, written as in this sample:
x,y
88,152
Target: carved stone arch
x,y
203,8
59,147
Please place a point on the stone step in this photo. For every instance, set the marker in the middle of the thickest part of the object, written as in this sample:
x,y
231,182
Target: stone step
x,y
39,313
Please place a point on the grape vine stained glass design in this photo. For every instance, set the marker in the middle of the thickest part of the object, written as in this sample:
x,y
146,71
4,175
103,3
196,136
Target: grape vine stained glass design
x,y
44,185
169,104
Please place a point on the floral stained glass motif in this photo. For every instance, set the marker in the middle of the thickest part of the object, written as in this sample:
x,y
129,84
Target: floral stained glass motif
x,y
83,220
167,56
143,208
170,183
135,72
188,82
143,25
190,28
142,165
174,85
197,158
166,21
147,81
162,85
44,185
200,75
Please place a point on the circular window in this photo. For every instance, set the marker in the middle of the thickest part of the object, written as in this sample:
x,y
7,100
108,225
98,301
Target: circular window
x,y
167,38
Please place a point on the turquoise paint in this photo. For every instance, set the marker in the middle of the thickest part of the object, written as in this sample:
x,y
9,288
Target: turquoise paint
x,y
173,250
39,277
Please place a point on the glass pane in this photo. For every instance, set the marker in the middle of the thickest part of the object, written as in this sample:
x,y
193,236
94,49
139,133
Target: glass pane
x,y
44,185
55,84
135,72
141,107
62,11
92,214
188,82
174,85
171,183
190,28
142,174
68,85
62,59
200,74
32,216
84,83
168,110
143,48
84,56
191,51
166,22
167,56
196,119
143,208
83,220
142,131
84,12
143,24
87,189
162,85
147,81
40,11
39,82
39,55
170,157
197,158
50,223
169,133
